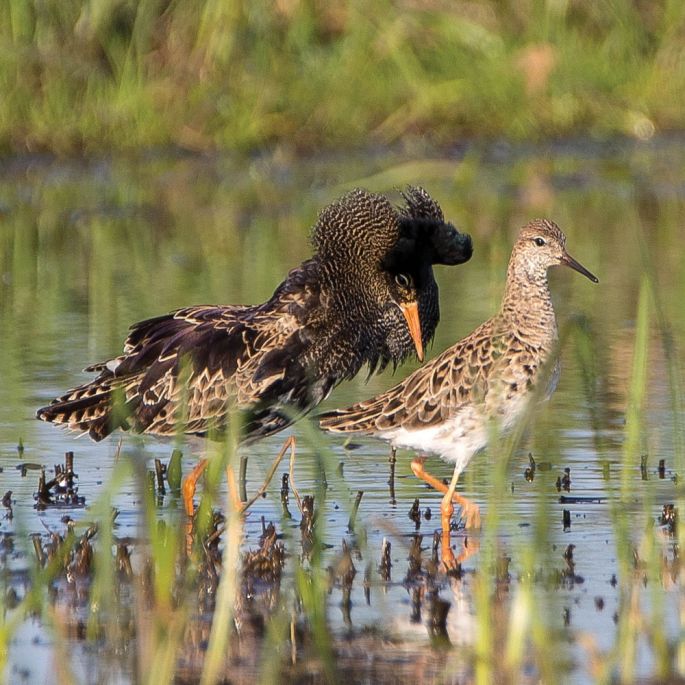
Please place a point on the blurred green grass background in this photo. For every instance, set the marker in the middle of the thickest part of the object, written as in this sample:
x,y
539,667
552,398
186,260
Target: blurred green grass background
x,y
82,76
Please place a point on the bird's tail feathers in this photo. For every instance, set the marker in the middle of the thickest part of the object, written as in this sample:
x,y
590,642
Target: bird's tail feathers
x,y
94,408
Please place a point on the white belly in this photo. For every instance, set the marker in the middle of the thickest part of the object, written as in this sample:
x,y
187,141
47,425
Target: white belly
x,y
460,437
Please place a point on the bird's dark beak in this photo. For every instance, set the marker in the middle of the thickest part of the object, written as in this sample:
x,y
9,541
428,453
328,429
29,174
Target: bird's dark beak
x,y
411,314
569,261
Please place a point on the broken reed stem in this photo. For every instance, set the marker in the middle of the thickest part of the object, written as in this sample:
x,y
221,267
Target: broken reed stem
x,y
289,443
242,478
160,470
355,508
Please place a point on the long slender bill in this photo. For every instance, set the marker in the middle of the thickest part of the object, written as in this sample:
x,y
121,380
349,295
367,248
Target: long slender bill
x,y
569,261
411,314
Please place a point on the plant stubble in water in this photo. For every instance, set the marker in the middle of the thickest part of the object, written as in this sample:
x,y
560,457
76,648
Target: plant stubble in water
x,y
78,267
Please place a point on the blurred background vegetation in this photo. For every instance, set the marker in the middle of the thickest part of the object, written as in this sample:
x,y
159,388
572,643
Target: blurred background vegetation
x,y
82,76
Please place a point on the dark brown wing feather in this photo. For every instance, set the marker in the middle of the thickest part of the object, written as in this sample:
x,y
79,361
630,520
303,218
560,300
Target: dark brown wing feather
x,y
200,363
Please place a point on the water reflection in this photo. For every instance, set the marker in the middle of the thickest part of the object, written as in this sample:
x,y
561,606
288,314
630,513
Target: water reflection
x,y
87,248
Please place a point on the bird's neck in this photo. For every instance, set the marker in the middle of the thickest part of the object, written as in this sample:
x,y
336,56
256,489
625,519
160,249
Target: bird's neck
x,y
527,306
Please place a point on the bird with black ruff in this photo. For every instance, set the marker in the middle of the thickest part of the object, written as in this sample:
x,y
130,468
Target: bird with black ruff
x,y
366,297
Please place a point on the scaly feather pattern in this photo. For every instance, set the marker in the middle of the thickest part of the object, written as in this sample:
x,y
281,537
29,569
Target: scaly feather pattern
x,y
446,406
187,371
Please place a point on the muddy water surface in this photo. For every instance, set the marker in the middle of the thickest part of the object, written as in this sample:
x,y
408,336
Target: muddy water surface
x,y
88,247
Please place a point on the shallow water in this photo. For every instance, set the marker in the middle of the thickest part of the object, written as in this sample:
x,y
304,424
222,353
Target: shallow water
x,y
88,247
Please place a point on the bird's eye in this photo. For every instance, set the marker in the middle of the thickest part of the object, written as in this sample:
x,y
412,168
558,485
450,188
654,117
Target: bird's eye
x,y
539,241
403,280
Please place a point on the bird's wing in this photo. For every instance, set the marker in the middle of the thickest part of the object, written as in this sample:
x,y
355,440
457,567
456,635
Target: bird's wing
x,y
189,369
462,375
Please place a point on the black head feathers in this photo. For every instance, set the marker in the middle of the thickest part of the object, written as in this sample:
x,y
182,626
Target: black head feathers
x,y
422,229
364,221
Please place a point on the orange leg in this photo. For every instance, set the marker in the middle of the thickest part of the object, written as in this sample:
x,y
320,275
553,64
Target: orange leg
x,y
190,482
189,485
469,510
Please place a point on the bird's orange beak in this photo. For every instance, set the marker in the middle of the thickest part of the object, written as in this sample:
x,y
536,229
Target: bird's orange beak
x,y
411,314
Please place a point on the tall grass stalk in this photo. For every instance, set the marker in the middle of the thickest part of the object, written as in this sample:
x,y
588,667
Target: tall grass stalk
x,y
311,577
228,585
487,662
102,601
629,616
665,665
674,370
635,424
518,629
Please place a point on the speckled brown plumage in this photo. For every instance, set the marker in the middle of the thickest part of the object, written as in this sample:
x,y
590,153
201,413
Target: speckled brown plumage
x,y
484,382
188,370
445,406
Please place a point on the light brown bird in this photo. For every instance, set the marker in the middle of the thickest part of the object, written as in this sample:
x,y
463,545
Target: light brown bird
x,y
448,406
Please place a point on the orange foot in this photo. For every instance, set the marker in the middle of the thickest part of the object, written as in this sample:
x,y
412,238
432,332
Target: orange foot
x,y
471,515
449,562
470,512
